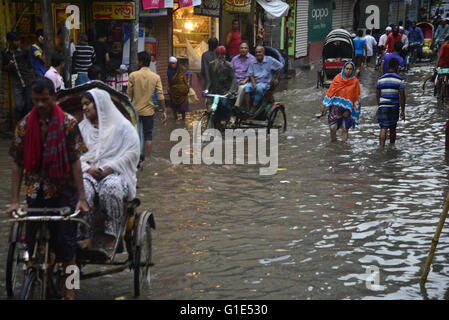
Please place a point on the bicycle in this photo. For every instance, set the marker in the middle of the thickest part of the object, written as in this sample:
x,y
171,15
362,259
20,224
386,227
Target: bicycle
x,y
441,90
413,52
40,280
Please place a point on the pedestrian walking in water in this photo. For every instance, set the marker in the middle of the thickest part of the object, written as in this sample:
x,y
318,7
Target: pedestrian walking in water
x,y
390,97
178,88
141,86
343,101
360,50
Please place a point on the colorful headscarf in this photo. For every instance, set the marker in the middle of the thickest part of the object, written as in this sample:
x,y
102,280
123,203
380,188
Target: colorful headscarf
x,y
345,93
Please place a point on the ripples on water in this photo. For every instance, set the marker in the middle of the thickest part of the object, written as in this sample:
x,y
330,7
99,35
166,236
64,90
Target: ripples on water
x,y
311,230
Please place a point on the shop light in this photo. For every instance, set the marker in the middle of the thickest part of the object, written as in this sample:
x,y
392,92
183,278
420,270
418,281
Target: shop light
x,y
188,26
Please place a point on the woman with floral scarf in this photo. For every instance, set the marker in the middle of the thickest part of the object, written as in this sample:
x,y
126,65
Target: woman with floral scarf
x,y
343,101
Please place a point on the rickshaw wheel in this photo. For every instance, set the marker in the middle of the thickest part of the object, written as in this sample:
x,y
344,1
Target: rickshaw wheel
x,y
206,122
13,265
32,288
142,254
278,120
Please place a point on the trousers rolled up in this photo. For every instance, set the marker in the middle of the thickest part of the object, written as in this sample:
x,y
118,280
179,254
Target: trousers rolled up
x,y
257,92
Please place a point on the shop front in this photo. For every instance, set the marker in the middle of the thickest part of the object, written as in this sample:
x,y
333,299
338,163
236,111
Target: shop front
x,y
243,11
190,35
302,28
192,27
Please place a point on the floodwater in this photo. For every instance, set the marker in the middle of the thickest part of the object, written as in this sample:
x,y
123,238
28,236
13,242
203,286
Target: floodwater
x,y
331,213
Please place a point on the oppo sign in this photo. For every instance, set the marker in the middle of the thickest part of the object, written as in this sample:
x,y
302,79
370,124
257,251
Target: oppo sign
x,y
319,14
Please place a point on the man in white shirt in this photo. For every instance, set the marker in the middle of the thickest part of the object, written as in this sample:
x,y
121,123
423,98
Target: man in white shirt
x,y
54,73
370,44
383,38
404,38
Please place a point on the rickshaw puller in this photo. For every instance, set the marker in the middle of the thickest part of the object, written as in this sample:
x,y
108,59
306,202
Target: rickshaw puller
x,y
46,149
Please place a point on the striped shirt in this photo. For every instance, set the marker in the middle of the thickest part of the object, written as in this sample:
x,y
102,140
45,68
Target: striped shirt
x,y
83,58
389,85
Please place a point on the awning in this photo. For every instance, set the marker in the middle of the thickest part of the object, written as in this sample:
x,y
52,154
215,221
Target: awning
x,y
275,8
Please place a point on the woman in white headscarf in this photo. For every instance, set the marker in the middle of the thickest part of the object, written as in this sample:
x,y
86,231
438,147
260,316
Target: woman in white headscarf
x,y
110,165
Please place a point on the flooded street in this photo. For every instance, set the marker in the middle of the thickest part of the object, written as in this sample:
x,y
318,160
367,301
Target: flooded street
x,y
308,232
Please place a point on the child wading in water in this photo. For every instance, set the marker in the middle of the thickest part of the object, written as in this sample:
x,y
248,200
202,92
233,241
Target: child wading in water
x,y
390,97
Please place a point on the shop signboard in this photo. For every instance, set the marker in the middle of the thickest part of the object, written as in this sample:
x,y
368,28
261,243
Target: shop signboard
x,y
209,8
320,19
237,6
153,13
373,14
124,10
157,4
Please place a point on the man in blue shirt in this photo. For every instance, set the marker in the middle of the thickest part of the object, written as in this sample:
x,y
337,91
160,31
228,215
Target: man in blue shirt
x,y
260,73
390,97
416,39
396,54
37,57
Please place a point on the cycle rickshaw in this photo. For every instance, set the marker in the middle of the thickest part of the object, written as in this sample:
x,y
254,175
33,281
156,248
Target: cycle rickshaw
x,y
269,114
27,274
338,49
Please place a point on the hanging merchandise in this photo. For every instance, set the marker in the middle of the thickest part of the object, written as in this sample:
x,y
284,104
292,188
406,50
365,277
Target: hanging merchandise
x,y
237,6
274,8
210,8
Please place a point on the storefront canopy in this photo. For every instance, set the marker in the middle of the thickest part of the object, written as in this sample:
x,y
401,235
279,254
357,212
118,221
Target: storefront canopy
x,y
275,8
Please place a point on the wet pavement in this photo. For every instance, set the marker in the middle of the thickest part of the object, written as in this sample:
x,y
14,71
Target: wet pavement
x,y
308,232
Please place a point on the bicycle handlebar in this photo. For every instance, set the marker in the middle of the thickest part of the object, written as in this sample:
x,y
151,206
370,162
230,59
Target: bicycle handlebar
x,y
21,215
210,95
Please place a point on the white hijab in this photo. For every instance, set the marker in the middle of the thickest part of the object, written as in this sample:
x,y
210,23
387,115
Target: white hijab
x,y
114,144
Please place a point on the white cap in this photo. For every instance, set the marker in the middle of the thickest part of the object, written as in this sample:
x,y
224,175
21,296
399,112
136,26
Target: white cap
x,y
123,67
401,28
388,28
353,35
172,60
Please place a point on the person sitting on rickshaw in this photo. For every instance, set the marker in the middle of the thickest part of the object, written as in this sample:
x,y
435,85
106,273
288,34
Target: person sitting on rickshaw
x,y
260,73
109,167
222,81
